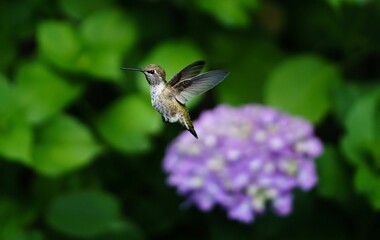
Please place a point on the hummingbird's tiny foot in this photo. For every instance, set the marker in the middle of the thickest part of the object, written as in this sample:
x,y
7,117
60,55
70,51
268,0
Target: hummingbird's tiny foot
x,y
164,120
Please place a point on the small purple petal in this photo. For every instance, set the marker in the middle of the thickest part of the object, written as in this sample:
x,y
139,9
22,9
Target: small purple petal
x,y
276,143
241,211
307,177
314,147
285,183
204,201
283,204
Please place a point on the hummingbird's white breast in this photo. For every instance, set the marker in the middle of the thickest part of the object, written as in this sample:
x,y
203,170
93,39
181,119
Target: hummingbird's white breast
x,y
162,105
155,93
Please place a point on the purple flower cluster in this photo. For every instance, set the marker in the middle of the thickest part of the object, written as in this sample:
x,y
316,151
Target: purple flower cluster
x,y
245,158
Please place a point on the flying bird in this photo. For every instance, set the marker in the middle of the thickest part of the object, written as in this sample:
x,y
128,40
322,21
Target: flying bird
x,y
169,98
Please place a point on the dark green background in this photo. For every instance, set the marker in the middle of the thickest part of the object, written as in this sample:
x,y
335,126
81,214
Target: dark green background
x,y
81,148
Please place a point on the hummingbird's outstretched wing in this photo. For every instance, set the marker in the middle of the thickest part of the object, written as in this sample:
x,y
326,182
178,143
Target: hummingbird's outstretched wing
x,y
189,88
189,71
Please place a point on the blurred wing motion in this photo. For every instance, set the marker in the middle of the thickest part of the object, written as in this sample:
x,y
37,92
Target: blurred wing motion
x,y
188,72
188,88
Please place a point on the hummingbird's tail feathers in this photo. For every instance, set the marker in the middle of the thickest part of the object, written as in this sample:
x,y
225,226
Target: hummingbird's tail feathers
x,y
192,130
189,126
186,122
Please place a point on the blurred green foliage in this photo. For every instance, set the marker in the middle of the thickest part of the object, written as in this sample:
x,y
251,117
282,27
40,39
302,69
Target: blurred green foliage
x,y
81,146
83,213
318,81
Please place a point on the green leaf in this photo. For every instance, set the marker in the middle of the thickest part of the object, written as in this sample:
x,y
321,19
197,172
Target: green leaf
x,y
362,130
104,52
249,73
83,214
334,183
345,97
122,230
42,93
231,13
14,218
15,233
63,144
15,133
16,140
339,3
7,102
118,33
59,44
374,149
361,143
8,51
80,9
303,86
335,3
367,183
128,123
103,64
352,151
362,122
173,56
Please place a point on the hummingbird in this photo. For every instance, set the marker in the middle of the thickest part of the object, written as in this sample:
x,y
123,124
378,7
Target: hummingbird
x,y
169,98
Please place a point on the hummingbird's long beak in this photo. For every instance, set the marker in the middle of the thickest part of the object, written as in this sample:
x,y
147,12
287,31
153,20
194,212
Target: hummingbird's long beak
x,y
133,69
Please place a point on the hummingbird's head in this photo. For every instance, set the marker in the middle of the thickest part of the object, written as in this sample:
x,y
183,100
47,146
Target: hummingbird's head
x,y
154,73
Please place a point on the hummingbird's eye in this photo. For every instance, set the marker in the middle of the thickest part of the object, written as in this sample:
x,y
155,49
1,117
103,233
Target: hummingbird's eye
x,y
150,71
